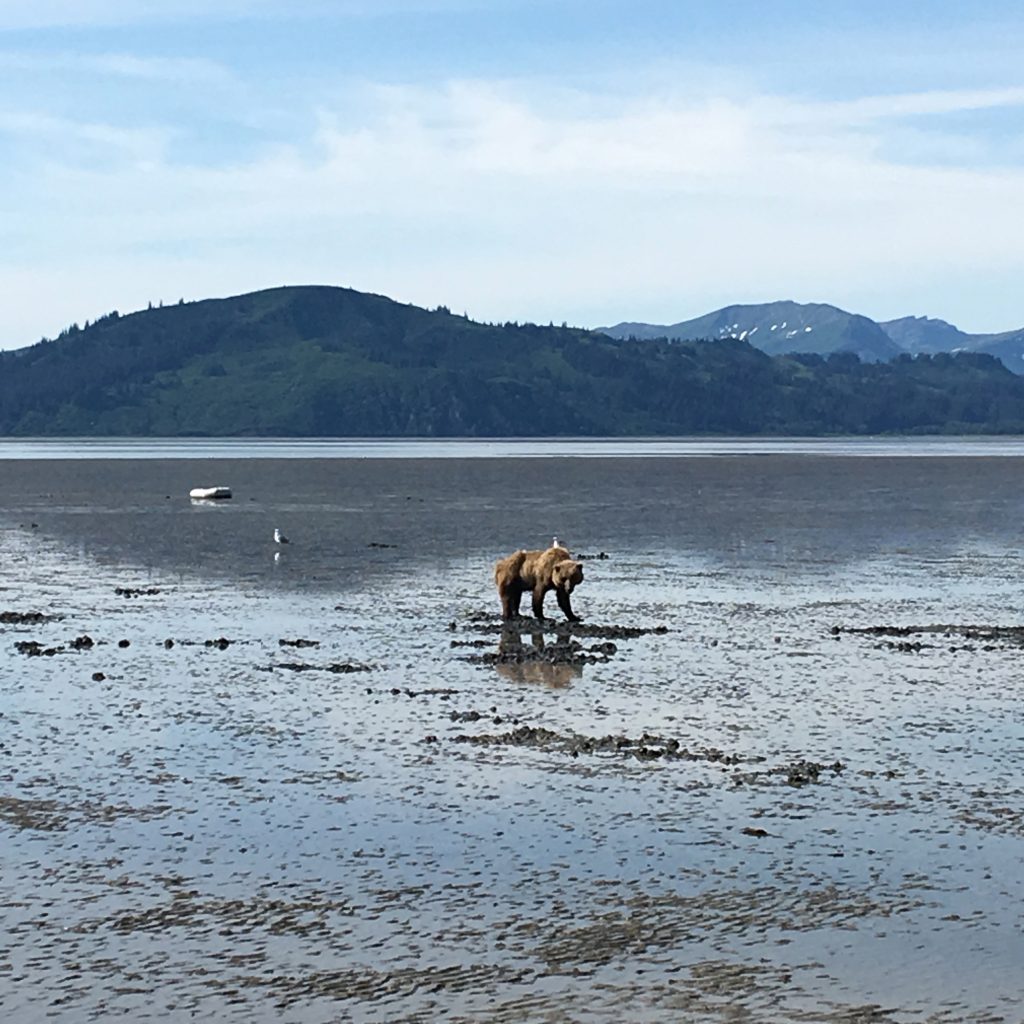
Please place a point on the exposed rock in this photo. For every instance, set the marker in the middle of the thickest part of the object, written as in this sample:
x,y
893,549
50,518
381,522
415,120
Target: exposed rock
x,y
25,618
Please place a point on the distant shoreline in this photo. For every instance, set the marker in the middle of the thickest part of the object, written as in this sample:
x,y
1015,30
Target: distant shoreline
x,y
930,446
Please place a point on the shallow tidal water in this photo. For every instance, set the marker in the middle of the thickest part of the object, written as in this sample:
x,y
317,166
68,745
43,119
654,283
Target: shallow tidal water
x,y
776,776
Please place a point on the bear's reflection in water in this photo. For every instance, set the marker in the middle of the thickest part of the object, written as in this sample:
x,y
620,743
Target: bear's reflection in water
x,y
537,661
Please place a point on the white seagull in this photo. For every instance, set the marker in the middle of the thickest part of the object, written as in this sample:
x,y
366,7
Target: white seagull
x,y
554,542
279,537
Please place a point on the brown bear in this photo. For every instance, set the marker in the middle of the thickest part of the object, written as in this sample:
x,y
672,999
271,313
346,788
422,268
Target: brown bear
x,y
537,572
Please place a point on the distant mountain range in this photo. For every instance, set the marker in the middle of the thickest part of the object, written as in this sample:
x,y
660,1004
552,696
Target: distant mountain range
x,y
322,361
782,327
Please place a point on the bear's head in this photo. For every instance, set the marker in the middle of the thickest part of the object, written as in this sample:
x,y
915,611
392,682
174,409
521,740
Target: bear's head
x,y
567,574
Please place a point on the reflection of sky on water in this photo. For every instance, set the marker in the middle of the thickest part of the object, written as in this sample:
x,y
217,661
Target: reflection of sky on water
x,y
779,518
293,783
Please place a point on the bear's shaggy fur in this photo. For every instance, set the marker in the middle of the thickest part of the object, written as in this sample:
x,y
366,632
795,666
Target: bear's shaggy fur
x,y
537,572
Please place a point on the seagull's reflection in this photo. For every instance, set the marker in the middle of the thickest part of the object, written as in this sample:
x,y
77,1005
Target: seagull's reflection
x,y
536,661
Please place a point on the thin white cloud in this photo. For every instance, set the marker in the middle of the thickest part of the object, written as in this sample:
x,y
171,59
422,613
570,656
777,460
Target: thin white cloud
x,y
764,146
192,70
58,140
869,109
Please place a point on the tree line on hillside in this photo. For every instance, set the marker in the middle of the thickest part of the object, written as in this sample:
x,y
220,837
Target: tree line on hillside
x,y
333,362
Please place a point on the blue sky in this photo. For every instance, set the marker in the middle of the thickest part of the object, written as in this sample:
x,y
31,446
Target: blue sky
x,y
588,161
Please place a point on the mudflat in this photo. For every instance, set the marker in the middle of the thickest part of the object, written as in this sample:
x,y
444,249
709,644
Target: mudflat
x,y
774,775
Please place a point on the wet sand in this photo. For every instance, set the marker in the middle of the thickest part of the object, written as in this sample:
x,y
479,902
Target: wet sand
x,y
773,776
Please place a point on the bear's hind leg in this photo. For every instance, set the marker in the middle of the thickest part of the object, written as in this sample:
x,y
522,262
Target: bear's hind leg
x,y
510,598
538,602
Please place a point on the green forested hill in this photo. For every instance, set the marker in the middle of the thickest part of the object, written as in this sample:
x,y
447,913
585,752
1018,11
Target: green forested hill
x,y
318,361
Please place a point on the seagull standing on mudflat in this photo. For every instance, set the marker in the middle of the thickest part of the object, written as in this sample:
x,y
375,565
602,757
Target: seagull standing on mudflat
x,y
279,537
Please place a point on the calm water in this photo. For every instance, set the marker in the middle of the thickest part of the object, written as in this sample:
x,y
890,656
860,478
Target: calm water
x,y
488,448
248,832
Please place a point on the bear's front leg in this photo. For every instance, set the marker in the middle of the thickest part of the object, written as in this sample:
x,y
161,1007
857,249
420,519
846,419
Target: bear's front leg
x,y
566,605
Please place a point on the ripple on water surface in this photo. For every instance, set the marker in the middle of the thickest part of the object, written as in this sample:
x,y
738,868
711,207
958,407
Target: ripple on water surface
x,y
774,775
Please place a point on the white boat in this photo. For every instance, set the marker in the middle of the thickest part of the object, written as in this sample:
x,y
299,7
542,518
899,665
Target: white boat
x,y
208,493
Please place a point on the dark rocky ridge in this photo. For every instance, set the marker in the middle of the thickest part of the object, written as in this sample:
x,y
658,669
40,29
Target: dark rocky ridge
x,y
783,327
